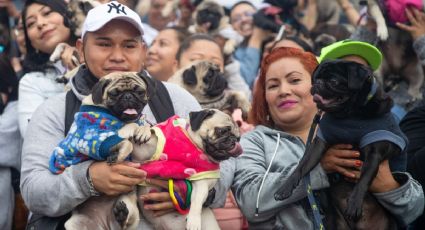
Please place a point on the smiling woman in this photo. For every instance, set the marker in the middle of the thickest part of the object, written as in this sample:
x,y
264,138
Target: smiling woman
x,y
45,25
161,61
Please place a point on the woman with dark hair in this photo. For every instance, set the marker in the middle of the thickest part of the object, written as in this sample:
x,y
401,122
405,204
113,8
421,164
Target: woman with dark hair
x,y
283,110
161,60
10,141
45,25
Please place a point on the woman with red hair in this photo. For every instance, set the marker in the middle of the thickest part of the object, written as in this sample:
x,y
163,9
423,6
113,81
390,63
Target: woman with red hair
x,y
283,111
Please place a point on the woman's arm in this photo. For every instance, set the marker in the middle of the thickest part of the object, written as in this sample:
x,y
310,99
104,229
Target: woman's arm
x,y
250,170
34,89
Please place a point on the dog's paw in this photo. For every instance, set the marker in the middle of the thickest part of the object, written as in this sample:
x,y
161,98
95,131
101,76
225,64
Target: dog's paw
x,y
193,222
120,211
57,53
353,211
382,33
142,134
112,159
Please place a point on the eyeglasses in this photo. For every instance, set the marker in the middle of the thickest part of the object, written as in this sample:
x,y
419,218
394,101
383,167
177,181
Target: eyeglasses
x,y
239,17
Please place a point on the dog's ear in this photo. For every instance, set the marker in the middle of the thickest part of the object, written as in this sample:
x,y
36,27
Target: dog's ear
x,y
150,84
97,91
189,76
196,118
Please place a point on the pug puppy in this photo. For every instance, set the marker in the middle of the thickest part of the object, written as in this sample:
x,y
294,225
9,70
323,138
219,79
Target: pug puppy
x,y
358,113
122,96
208,85
209,17
210,130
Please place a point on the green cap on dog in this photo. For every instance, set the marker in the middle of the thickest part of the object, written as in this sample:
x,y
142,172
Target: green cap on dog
x,y
350,47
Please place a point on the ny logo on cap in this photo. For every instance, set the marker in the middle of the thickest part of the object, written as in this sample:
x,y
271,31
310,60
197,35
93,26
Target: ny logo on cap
x,y
118,7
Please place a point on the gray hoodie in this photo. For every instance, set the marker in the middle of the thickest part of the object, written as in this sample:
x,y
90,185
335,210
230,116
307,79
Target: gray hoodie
x,y
55,195
260,146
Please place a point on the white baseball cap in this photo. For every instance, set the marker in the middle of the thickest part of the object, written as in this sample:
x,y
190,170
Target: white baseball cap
x,y
102,14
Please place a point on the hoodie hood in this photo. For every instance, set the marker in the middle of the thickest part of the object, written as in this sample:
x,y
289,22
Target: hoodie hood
x,y
82,82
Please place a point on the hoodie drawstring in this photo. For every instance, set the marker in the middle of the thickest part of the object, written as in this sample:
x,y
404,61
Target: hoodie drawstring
x,y
265,175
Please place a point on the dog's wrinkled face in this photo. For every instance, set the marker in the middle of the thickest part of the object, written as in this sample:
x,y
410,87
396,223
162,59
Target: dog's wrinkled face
x,y
208,16
204,81
216,133
340,86
124,94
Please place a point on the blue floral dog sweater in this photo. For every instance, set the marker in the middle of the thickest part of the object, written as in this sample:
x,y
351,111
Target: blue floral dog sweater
x,y
92,135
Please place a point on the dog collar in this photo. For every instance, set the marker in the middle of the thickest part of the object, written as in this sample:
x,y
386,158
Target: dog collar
x,y
216,100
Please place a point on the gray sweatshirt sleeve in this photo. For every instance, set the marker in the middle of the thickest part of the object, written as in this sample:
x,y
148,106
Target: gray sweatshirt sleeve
x,y
46,193
406,203
10,137
251,167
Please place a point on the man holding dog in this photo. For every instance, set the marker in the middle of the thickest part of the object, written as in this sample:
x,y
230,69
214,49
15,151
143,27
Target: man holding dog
x,y
112,41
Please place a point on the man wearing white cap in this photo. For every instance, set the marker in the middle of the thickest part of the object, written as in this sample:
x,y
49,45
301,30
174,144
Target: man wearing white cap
x,y
112,40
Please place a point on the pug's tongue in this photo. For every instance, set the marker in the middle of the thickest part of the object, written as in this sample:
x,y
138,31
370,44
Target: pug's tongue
x,y
130,112
236,151
317,98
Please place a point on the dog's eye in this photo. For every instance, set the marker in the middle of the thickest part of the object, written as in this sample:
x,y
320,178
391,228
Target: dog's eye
x,y
222,131
333,82
113,93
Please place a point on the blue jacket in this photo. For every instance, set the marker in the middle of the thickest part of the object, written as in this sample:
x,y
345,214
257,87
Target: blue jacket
x,y
91,136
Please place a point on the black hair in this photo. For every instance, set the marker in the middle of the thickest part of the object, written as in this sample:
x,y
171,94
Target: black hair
x,y
297,40
187,43
240,3
36,60
4,39
181,32
8,79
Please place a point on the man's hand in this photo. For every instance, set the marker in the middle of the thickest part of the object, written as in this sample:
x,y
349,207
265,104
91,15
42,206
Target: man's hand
x,y
116,179
417,20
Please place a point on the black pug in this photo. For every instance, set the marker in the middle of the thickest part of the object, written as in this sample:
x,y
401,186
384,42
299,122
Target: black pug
x,y
356,112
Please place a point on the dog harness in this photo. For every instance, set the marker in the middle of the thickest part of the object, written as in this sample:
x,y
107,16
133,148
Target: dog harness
x,y
91,136
361,132
180,158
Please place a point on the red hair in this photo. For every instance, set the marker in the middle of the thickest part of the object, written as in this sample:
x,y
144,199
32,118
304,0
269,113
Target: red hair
x,y
259,112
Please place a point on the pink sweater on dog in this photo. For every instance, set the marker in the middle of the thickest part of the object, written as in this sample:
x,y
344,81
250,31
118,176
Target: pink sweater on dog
x,y
179,157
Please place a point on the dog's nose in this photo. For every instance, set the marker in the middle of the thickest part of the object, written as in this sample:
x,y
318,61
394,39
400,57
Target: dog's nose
x,y
127,96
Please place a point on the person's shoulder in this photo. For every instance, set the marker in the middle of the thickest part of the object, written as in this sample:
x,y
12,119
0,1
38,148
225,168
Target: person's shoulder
x,y
54,104
180,95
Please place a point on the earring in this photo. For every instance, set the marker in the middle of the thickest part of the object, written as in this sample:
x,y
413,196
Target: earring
x,y
268,117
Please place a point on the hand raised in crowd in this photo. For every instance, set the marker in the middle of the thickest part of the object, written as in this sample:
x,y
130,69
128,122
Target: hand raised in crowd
x,y
11,8
117,178
342,159
417,20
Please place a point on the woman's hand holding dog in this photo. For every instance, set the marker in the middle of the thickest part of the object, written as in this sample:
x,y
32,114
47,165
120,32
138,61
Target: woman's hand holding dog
x,y
342,159
117,178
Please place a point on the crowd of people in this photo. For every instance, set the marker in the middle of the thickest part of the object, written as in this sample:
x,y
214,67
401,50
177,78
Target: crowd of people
x,y
266,50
